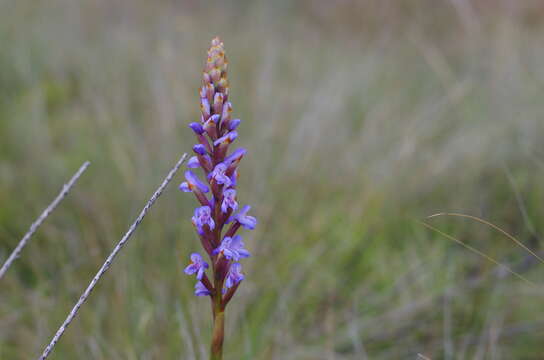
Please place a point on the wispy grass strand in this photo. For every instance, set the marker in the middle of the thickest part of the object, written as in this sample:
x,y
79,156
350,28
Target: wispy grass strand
x,y
36,224
110,259
478,252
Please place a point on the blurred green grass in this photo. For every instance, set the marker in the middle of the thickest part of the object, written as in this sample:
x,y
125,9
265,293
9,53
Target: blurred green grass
x,y
359,119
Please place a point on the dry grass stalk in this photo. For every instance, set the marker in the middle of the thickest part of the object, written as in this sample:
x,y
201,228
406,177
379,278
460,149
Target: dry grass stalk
x,y
110,259
36,224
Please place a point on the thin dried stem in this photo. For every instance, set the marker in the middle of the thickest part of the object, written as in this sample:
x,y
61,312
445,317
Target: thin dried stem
x,y
36,224
476,251
516,241
110,259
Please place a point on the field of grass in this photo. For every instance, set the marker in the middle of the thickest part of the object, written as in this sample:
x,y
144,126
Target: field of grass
x,y
359,120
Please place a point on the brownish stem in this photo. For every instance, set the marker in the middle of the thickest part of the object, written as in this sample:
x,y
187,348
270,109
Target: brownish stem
x,y
218,335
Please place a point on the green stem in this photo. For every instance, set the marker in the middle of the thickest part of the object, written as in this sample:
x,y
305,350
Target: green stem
x,y
218,335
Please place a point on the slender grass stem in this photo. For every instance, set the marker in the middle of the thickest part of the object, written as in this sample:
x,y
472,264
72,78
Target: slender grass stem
x,y
478,252
511,237
36,224
110,259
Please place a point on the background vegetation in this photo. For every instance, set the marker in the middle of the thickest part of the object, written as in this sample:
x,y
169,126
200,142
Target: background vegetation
x,y
360,119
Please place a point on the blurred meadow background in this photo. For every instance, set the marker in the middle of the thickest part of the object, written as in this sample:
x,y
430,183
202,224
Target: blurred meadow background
x,y
360,117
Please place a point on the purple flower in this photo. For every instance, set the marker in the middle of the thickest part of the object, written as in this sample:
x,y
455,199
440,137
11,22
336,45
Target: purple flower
x,y
201,289
193,183
249,222
229,200
235,157
232,248
227,139
218,174
203,216
197,128
234,275
199,149
197,265
193,163
233,124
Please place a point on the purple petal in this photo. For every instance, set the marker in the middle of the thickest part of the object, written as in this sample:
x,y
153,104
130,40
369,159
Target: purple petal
x,y
236,156
229,200
233,178
196,258
200,273
249,222
244,253
227,139
229,254
199,149
193,163
184,186
234,275
233,124
201,290
218,174
191,269
197,128
194,181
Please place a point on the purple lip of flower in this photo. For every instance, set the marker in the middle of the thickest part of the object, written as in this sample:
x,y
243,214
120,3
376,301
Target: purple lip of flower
x,y
234,275
197,266
199,149
193,183
232,248
193,163
227,139
249,222
235,157
218,174
233,124
201,290
229,200
203,216
197,128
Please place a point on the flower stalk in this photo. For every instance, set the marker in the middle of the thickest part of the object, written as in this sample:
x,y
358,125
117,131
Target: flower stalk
x,y
218,218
